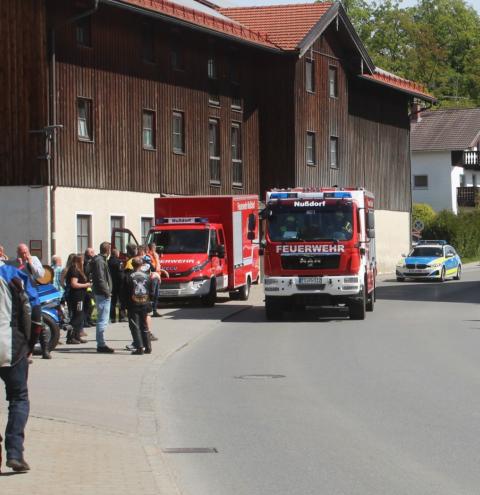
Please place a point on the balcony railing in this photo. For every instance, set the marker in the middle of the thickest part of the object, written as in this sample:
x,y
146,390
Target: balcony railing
x,y
468,196
466,159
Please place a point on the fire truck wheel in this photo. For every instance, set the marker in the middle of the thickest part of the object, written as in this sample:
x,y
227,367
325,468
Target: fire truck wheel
x,y
210,299
400,279
244,291
273,309
358,308
371,300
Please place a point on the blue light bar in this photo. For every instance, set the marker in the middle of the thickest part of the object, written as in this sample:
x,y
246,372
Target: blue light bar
x,y
337,195
283,195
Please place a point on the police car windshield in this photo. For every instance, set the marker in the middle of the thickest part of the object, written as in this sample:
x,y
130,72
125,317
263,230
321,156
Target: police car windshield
x,y
325,223
427,252
181,241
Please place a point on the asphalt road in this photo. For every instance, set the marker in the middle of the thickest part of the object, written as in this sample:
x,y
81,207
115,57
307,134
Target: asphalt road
x,y
389,405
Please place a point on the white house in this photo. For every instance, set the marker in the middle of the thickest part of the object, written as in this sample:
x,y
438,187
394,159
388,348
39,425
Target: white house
x,y
445,149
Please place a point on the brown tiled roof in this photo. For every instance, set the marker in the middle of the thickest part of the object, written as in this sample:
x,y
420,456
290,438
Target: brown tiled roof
x,y
450,129
285,25
202,19
397,82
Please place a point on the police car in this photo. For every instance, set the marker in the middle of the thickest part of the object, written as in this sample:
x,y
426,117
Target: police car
x,y
430,260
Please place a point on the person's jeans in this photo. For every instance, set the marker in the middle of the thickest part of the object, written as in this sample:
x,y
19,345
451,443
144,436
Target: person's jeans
x,y
103,313
15,378
155,292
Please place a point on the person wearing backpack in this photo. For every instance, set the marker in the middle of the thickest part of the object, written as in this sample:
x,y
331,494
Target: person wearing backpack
x,y
17,297
137,295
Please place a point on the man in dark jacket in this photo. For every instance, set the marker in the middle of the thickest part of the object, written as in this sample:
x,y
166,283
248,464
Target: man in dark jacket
x,y
102,291
16,343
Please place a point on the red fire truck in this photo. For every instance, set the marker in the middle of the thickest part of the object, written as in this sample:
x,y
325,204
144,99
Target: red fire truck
x,y
319,250
207,244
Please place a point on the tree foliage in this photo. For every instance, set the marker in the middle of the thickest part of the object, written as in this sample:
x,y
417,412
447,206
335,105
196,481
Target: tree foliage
x,y
435,42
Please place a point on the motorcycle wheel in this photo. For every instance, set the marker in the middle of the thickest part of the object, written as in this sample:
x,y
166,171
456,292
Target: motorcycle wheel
x,y
54,330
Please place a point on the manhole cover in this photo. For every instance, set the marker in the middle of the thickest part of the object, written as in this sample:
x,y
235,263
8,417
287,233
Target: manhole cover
x,y
258,377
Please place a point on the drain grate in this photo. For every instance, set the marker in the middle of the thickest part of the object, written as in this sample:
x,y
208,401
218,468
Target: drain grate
x,y
191,450
258,377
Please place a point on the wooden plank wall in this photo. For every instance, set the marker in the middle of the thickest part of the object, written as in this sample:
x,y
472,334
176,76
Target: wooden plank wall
x,y
23,83
120,84
371,123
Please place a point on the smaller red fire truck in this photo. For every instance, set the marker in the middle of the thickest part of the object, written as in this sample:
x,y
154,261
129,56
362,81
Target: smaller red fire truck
x,y
319,250
207,244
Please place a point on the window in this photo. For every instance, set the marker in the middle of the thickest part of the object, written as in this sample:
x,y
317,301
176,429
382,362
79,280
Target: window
x,y
474,180
214,150
148,42
462,180
213,93
236,97
309,76
420,181
237,164
211,67
146,223
310,149
84,232
84,116
148,130
177,58
83,32
333,152
178,133
332,81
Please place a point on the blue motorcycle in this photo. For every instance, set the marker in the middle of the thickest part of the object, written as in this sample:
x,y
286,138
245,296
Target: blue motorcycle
x,y
53,313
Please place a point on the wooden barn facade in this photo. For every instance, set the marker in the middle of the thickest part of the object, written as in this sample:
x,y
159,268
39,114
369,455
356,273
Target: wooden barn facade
x,y
109,103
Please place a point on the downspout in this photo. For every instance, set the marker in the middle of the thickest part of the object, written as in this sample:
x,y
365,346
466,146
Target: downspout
x,y
51,177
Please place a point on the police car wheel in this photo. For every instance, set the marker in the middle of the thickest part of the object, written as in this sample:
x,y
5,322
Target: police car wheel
x,y
458,276
400,279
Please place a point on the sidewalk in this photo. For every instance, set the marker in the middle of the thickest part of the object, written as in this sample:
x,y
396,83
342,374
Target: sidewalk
x,y
93,423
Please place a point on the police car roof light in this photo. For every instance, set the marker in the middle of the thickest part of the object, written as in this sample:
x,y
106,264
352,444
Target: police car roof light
x,y
432,241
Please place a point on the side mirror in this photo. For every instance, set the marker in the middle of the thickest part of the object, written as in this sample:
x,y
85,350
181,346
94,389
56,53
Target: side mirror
x,y
263,245
160,250
371,233
450,255
219,252
251,222
251,235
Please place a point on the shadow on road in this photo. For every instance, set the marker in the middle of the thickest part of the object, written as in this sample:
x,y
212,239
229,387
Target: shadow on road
x,y
450,291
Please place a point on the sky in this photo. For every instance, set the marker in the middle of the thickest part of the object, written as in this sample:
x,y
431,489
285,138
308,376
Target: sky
x,y
405,3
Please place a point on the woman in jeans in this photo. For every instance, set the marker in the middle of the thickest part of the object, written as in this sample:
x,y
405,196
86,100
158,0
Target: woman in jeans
x,y
77,285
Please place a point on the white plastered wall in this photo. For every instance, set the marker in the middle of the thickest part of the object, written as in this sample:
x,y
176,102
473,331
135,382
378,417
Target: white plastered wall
x,y
101,205
443,179
392,237
24,217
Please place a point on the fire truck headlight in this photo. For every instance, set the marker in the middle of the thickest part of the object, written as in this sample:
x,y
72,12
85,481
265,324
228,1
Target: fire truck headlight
x,y
350,280
270,281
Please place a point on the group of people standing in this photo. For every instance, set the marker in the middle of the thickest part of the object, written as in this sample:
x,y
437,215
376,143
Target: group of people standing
x,y
131,284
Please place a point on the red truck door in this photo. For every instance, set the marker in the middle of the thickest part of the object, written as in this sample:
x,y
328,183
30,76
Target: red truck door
x,y
120,239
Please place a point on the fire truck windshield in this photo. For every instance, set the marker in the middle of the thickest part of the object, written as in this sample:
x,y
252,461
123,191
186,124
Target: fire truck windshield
x,y
180,241
327,222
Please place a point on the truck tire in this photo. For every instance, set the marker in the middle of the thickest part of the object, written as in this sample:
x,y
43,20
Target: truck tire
x,y
358,308
210,299
371,299
273,309
244,291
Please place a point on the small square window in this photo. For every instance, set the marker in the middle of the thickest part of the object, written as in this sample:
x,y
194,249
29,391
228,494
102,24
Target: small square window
x,y
148,129
309,75
332,82
146,223
237,162
310,148
420,181
333,152
214,150
84,232
178,131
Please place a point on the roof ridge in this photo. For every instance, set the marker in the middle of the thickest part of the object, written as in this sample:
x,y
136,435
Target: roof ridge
x,y
278,5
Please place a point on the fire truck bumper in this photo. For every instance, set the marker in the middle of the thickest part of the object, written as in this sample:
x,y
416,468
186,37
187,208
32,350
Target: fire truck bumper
x,y
193,288
338,289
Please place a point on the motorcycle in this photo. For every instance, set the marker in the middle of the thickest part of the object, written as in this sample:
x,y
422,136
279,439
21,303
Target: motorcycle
x,y
53,313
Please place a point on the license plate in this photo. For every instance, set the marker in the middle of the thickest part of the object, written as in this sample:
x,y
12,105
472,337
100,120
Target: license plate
x,y
415,271
169,292
310,280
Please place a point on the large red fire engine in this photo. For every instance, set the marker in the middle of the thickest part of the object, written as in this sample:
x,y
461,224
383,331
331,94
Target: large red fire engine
x,y
319,250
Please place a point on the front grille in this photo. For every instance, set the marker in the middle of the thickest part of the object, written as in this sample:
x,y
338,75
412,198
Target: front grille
x,y
412,266
170,285
310,262
311,287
